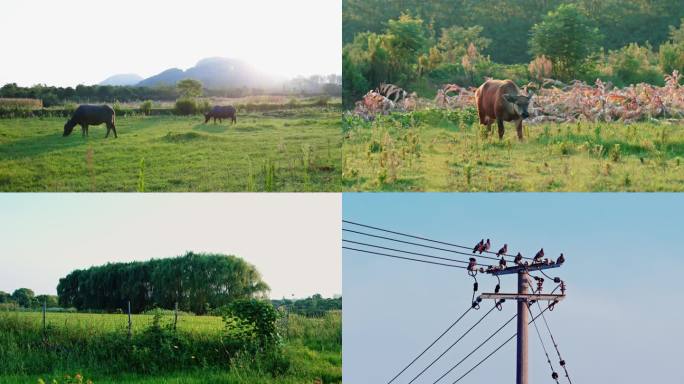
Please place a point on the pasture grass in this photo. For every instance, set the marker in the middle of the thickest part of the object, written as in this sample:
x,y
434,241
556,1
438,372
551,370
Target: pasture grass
x,y
270,151
398,153
76,342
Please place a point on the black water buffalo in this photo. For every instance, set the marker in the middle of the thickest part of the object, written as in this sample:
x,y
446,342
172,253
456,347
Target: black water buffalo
x,y
86,115
221,112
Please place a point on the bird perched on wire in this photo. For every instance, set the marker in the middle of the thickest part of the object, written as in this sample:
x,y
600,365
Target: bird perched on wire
x,y
538,257
502,263
486,246
518,259
472,264
561,259
503,250
478,246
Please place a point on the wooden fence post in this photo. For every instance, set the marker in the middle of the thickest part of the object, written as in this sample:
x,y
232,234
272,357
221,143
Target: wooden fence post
x,y
175,316
129,320
44,310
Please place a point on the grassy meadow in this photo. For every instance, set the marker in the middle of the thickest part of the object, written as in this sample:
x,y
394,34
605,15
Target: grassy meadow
x,y
96,347
280,150
438,150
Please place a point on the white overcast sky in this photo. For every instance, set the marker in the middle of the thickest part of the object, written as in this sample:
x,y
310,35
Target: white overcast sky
x,y
70,42
292,239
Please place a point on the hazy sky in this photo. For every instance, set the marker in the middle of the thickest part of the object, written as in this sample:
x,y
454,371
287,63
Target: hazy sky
x,y
80,41
621,321
292,239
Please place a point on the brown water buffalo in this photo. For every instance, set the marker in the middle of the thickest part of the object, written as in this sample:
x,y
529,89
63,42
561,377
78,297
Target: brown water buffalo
x,y
86,115
221,112
502,100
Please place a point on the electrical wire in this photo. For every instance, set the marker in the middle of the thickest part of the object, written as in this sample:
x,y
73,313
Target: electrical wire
x,y
407,252
474,350
555,345
554,375
417,244
403,258
496,350
423,238
431,344
452,345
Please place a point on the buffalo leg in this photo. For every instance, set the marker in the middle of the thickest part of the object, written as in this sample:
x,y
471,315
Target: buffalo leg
x,y
84,130
500,125
518,128
112,127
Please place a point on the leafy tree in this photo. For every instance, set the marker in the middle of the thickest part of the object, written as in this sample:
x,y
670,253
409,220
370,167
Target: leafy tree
x,y
671,53
24,297
454,42
405,40
197,282
353,82
189,88
567,38
51,301
5,297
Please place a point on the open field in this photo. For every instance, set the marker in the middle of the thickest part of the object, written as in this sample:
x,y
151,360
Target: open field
x,y
81,343
270,151
440,150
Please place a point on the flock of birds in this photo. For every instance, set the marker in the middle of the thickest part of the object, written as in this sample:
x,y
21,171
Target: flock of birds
x,y
484,246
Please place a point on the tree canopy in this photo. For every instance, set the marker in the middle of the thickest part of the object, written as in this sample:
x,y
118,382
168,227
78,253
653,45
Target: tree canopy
x,y
197,282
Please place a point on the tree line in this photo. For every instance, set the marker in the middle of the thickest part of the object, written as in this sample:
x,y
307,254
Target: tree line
x,y
26,298
315,305
420,45
52,96
197,282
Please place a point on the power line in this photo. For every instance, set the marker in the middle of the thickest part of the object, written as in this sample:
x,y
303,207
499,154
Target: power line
x,y
431,344
554,375
423,238
452,345
417,244
474,350
403,258
408,252
560,359
496,350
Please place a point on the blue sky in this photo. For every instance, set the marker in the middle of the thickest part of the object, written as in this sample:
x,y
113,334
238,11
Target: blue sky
x,y
292,239
621,321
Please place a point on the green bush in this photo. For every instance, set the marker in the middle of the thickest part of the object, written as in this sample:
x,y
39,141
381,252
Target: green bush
x,y
259,313
146,107
186,106
633,64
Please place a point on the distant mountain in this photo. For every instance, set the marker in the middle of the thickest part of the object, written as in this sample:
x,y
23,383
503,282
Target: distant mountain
x,y
122,79
214,73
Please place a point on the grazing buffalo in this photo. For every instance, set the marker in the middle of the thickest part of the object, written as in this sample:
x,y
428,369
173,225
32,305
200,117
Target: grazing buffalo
x,y
86,115
221,112
391,92
501,100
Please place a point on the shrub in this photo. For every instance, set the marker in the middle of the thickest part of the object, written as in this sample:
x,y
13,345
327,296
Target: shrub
x,y
633,64
146,107
185,106
261,315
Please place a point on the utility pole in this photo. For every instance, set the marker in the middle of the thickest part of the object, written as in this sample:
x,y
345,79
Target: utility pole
x,y
521,364
524,299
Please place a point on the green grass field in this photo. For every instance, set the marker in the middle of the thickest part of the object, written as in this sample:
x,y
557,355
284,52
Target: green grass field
x,y
296,150
429,152
76,344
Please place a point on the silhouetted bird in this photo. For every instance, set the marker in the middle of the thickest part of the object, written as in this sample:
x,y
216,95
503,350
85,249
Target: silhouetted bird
x,y
472,264
478,246
486,246
538,257
502,262
503,250
561,259
518,258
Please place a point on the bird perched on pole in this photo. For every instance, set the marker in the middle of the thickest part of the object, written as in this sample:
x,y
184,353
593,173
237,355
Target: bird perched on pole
x,y
538,257
478,246
518,259
503,250
561,259
486,246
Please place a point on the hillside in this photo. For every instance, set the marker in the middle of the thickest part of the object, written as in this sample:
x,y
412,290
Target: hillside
x,y
214,73
122,79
